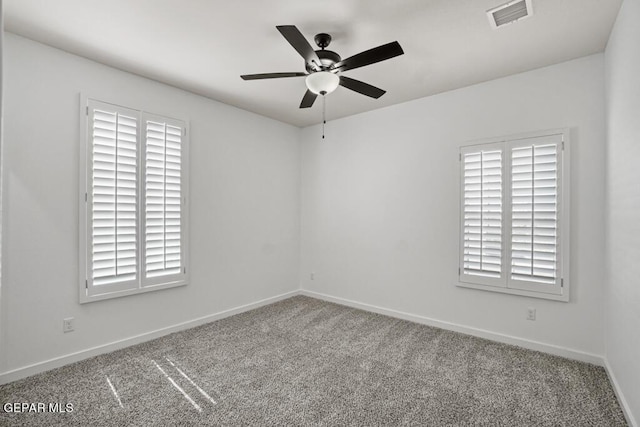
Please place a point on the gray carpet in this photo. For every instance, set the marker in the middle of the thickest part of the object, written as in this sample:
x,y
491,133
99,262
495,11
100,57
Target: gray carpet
x,y
307,362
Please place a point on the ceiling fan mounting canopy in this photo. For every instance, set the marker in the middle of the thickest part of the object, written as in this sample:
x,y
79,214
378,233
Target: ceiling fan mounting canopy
x,y
322,66
322,40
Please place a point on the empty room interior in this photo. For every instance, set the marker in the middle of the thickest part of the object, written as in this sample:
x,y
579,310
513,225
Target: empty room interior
x,y
348,212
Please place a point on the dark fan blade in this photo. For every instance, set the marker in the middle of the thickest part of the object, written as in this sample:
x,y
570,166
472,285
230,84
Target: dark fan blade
x,y
299,43
371,56
361,87
308,99
271,76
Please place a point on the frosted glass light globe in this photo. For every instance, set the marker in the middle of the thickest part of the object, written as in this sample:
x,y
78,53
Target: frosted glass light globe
x,y
322,81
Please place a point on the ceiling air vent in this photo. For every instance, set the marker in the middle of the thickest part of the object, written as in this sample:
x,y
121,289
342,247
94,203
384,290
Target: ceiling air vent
x,y
509,13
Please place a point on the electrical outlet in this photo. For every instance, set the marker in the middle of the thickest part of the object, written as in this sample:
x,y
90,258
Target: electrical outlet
x,y
531,313
68,324
312,276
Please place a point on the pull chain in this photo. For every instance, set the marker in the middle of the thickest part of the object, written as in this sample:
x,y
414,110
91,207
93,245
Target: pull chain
x,y
324,115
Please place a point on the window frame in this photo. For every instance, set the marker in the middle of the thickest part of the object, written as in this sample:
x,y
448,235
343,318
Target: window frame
x,y
557,292
87,291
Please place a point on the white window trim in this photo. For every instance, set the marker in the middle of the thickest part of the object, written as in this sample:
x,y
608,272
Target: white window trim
x,y
142,285
564,173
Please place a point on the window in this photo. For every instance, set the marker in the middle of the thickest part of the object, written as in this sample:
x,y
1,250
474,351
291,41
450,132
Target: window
x,y
514,219
133,211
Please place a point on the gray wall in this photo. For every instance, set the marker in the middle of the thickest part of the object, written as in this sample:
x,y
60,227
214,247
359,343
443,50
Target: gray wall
x,y
380,203
622,322
244,178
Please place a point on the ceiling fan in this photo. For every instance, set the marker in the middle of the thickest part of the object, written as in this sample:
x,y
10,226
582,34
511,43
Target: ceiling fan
x,y
324,65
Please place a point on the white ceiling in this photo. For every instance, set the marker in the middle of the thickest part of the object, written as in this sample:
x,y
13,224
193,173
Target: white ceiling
x,y
205,45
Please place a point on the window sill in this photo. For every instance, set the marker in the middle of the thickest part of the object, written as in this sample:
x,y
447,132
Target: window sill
x,y
564,297
84,298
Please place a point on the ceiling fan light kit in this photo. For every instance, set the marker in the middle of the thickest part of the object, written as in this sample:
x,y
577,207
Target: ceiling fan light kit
x,y
322,82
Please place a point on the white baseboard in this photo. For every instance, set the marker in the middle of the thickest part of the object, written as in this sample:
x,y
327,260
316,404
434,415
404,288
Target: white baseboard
x,y
57,362
481,333
621,399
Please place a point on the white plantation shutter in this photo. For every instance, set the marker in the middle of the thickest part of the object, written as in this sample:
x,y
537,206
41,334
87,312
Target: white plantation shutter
x,y
482,214
535,192
112,197
133,202
514,230
163,198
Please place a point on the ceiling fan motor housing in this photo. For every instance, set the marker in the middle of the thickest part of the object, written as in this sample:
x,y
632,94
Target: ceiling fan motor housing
x,y
327,59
